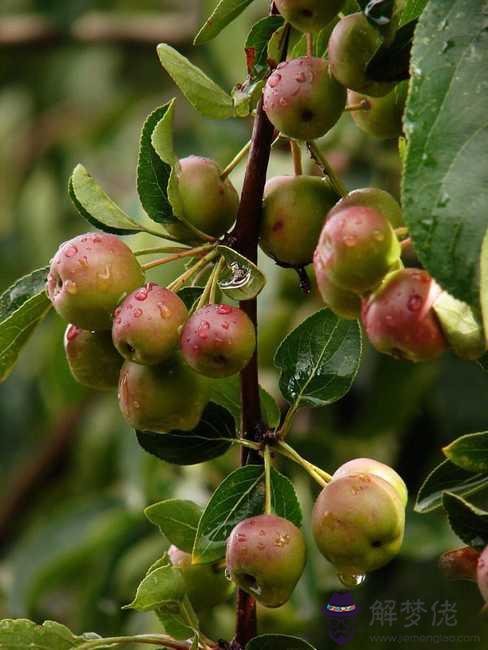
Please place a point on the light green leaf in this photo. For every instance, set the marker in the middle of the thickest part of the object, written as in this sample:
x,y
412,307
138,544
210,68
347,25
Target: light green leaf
x,y
224,13
94,204
461,328
162,136
174,622
445,188
21,290
177,520
241,279
203,94
468,522
20,633
470,452
163,586
319,360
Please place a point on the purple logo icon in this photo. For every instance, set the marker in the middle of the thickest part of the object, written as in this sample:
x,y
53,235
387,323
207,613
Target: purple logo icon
x,y
341,612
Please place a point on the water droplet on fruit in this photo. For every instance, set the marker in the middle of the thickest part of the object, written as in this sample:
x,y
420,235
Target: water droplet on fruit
x,y
97,239
225,325
262,532
283,101
70,251
351,580
83,261
72,332
241,537
195,348
274,80
301,77
349,240
71,287
228,574
378,235
138,313
414,302
164,310
105,274
282,540
141,294
261,546
136,405
224,309
389,318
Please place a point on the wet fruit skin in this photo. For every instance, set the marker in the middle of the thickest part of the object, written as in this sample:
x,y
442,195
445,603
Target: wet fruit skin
x,y
383,119
371,466
345,304
92,358
294,210
146,327
482,574
89,276
352,45
358,523
266,557
218,340
309,15
162,398
357,247
208,202
301,98
206,585
399,319
376,199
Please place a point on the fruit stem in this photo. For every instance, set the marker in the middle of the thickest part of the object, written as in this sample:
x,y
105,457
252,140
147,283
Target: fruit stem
x,y
215,280
363,105
401,232
309,39
162,640
206,296
192,252
318,474
296,153
240,155
160,249
324,164
268,508
193,270
405,244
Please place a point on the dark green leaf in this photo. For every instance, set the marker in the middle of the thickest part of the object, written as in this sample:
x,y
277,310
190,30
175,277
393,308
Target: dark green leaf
x,y
153,173
468,522
447,477
163,586
484,285
190,295
177,520
227,393
391,62
211,438
278,642
22,307
20,633
202,93
483,362
257,45
319,360
94,205
240,279
239,496
469,452
445,188
224,13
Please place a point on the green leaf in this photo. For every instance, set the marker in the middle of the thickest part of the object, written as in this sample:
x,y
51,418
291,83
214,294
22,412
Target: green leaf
x,y
163,586
319,360
210,439
468,522
460,326
445,188
227,393
391,61
22,307
483,362
447,477
153,170
256,45
94,205
177,520
239,496
470,452
224,13
174,623
241,279
190,295
20,633
278,642
484,285
202,93
162,134
412,10
246,97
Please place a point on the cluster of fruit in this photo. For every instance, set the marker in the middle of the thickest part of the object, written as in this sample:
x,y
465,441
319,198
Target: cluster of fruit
x,y
140,335
358,524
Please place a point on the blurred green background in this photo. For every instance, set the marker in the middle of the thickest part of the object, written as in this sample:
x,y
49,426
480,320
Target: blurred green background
x,y
77,80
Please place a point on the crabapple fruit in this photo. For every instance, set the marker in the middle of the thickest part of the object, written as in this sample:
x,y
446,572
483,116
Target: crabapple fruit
x,y
358,523
206,584
266,557
399,319
302,99
352,45
376,199
162,398
309,15
345,304
218,340
146,327
383,117
208,202
294,210
89,276
482,574
92,358
371,466
357,247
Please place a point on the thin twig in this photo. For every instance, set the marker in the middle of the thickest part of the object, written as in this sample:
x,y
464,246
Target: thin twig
x,y
193,270
296,153
236,160
324,164
363,105
192,252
